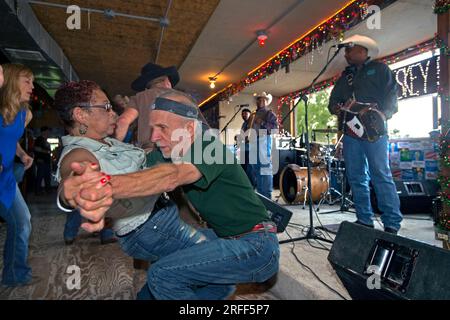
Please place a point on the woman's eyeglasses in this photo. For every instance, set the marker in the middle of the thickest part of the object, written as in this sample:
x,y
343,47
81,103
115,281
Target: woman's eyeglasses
x,y
107,106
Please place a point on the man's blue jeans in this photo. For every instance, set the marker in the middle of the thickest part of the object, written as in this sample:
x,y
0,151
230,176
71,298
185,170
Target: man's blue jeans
x,y
262,169
16,270
43,172
189,263
365,161
73,223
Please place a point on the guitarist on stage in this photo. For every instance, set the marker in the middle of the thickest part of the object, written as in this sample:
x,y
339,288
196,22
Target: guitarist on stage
x,y
367,81
263,122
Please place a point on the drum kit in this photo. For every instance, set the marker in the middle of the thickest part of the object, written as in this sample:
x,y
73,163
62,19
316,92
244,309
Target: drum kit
x,y
328,182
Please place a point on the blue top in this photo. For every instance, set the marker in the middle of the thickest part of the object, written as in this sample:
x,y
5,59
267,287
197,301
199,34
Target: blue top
x,y
9,136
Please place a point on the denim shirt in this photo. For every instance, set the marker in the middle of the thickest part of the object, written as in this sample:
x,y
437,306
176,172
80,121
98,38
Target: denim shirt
x,y
116,157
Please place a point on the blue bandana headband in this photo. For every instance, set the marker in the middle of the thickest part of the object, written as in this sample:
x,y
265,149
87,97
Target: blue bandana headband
x,y
175,107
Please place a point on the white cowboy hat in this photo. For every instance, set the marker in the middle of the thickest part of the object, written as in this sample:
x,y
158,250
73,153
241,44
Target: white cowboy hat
x,y
266,96
366,42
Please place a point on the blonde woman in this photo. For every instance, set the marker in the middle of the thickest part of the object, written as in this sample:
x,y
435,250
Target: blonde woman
x,y
14,117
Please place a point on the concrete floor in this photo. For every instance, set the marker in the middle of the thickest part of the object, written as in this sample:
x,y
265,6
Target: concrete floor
x,y
297,282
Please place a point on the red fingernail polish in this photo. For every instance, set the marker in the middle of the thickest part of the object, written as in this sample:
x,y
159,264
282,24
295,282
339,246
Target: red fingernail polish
x,y
104,181
93,164
108,177
103,174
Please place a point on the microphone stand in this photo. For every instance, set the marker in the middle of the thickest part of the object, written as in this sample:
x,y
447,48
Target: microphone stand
x,y
312,230
231,120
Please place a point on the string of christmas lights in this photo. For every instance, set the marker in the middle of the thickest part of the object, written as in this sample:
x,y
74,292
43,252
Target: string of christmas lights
x,y
443,220
432,44
332,29
441,6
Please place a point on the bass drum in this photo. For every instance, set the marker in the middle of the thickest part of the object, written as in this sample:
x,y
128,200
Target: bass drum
x,y
294,181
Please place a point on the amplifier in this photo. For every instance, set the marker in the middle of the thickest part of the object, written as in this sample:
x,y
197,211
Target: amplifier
x,y
373,264
415,196
278,214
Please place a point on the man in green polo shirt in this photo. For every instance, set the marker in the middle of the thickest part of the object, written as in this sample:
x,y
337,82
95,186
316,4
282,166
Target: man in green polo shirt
x,y
240,245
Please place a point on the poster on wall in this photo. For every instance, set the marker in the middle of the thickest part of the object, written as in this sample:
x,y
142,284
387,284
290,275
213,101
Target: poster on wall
x,y
414,160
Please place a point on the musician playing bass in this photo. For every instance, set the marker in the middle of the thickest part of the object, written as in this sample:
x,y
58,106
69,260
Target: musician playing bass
x,y
366,159
263,122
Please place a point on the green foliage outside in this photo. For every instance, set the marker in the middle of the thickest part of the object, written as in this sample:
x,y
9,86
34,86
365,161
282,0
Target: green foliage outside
x,y
318,115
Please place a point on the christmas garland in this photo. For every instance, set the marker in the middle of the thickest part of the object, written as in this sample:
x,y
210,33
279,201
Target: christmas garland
x,y
435,43
444,181
441,6
332,29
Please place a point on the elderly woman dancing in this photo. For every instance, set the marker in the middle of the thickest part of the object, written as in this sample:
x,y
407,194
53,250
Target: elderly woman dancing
x,y
88,117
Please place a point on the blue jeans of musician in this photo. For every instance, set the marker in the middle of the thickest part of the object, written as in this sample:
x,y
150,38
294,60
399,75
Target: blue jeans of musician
x,y
16,270
262,169
248,167
73,223
195,264
365,161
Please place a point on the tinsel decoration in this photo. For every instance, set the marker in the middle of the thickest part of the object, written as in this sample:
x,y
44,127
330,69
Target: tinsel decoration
x,y
443,220
332,29
441,6
435,43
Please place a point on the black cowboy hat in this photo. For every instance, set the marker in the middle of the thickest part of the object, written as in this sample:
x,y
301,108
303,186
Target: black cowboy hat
x,y
152,71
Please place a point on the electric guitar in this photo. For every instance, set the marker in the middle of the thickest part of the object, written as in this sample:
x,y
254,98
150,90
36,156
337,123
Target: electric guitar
x,y
364,121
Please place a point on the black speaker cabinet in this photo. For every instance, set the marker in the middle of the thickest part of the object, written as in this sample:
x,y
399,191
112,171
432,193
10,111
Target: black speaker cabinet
x,y
375,265
415,196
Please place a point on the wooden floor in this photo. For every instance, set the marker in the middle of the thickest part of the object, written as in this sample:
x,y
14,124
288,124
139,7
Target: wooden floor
x,y
106,272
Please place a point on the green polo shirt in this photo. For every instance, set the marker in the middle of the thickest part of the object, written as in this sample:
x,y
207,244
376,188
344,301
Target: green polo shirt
x,y
223,195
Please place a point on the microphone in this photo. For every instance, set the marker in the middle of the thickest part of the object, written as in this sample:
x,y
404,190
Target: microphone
x,y
344,45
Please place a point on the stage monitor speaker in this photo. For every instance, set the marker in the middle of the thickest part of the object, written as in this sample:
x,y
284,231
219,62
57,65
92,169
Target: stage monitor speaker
x,y
374,265
415,196
278,214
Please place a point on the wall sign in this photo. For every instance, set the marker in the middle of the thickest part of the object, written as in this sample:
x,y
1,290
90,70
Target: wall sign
x,y
418,79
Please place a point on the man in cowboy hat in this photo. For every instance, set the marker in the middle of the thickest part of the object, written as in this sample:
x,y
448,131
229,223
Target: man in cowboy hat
x,y
245,114
263,121
149,85
367,81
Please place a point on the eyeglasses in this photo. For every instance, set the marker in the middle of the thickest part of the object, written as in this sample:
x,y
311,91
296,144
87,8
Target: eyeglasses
x,y
107,106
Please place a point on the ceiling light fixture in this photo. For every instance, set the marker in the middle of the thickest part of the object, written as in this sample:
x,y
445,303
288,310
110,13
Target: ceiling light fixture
x,y
212,82
262,37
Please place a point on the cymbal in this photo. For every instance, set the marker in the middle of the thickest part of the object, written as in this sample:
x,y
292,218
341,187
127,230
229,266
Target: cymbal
x,y
330,130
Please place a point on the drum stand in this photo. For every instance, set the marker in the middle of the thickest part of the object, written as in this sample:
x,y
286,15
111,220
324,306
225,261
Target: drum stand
x,y
330,191
345,202
328,196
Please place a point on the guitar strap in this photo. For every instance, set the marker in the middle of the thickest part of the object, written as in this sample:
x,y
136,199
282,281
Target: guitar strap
x,y
350,73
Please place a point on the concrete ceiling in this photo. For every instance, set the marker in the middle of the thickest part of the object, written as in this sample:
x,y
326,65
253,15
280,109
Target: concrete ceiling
x,y
234,23
232,27
397,33
206,37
